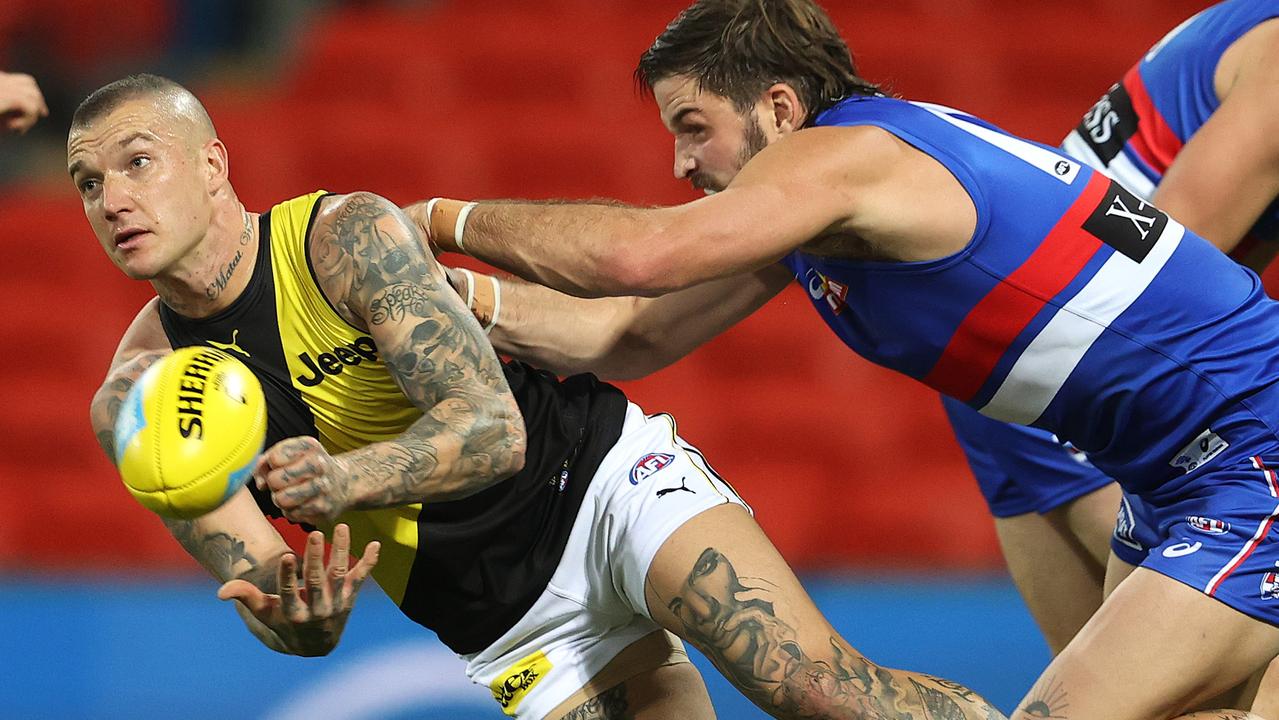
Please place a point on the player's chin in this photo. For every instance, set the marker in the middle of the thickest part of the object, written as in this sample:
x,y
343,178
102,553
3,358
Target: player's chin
x,y
137,266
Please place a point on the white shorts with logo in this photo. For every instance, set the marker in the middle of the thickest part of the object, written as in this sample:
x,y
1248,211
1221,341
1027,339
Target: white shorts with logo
x,y
647,486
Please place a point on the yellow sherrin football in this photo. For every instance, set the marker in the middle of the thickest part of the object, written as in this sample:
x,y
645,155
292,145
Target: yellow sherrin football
x,y
189,431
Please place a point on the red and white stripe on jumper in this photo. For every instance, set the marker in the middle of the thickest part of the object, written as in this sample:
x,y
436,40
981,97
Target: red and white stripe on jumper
x,y
1272,482
1155,142
990,328
997,319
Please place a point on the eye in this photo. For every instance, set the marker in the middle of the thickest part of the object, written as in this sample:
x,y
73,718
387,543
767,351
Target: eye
x,y
88,186
706,564
140,161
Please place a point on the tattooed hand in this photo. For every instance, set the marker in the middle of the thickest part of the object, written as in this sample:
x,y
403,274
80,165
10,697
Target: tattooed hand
x,y
307,483
309,620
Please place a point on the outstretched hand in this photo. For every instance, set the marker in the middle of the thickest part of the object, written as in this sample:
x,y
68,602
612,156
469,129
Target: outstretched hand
x,y
309,619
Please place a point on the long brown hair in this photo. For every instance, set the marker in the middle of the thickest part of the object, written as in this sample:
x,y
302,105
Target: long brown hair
x,y
738,48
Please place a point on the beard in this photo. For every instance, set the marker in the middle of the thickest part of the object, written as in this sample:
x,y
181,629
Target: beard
x,y
753,141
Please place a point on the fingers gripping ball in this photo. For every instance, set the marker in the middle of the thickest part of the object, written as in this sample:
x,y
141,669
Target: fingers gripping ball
x,y
189,431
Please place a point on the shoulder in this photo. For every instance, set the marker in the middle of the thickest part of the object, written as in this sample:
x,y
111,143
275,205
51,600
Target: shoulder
x,y
840,163
145,334
362,243
356,212
1251,65
844,152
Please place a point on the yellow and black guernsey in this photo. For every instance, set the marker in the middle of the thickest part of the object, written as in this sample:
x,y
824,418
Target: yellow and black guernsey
x,y
467,569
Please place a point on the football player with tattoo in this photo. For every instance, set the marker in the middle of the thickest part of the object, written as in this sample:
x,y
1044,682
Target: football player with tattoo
x,y
1001,272
547,530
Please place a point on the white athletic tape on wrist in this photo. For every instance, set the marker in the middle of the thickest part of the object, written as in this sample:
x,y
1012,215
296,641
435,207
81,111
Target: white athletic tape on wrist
x,y
470,288
460,226
430,208
497,303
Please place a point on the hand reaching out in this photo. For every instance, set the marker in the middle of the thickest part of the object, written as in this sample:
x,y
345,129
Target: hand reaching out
x,y
309,619
21,102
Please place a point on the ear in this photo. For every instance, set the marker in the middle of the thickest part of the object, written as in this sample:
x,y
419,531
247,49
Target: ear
x,y
216,167
787,112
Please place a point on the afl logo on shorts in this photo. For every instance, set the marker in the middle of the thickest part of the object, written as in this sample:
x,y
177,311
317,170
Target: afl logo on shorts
x,y
1207,525
649,464
1270,586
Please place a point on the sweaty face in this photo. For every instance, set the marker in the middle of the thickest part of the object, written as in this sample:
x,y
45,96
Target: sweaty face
x,y
713,139
142,184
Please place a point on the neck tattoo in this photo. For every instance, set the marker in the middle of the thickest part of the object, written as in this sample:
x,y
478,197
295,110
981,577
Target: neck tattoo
x,y
220,281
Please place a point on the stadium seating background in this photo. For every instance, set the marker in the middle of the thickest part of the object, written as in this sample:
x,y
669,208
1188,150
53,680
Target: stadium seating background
x,y
852,470
847,464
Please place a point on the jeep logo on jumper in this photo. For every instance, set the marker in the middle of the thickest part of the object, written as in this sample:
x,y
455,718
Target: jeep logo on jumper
x,y
335,361
1126,223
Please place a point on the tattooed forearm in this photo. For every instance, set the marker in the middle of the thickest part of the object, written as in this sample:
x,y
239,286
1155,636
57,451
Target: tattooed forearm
x,y
222,554
608,705
737,627
110,397
369,258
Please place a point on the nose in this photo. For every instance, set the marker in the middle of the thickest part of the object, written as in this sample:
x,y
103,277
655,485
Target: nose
x,y
685,164
117,196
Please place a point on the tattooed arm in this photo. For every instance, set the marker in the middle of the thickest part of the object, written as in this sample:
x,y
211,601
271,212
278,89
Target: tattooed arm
x,y
369,262
226,554
235,543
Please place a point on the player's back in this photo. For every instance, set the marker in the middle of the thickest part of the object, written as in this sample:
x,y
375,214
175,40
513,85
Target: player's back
x,y
1075,307
1136,130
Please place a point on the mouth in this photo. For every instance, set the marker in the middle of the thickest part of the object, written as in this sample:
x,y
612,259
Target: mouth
x,y
129,238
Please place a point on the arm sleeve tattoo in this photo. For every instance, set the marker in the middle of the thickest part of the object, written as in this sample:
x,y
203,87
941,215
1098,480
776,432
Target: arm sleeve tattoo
x,y
218,550
369,257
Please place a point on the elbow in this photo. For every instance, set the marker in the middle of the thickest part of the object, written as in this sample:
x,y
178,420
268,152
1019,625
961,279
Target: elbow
x,y
511,461
642,269
503,440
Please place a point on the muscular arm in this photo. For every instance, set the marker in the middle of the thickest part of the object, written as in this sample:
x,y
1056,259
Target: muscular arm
x,y
368,258
796,190
1228,173
624,337
234,541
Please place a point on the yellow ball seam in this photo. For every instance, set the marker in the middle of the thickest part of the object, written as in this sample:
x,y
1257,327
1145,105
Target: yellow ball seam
x,y
164,488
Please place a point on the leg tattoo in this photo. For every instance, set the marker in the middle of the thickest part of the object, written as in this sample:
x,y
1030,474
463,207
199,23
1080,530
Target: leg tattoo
x,y
608,705
736,626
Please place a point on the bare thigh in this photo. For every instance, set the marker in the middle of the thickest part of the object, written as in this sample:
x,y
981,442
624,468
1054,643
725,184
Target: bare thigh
x,y
1155,649
651,679
720,584
1058,560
